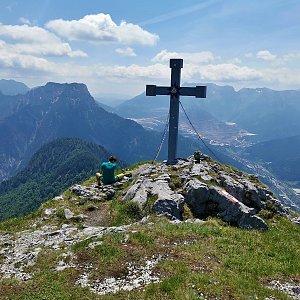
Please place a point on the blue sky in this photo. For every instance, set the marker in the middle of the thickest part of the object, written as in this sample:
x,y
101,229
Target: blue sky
x,y
118,46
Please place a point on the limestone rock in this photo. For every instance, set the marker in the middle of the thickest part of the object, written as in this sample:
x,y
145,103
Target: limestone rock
x,y
68,214
204,201
168,203
245,197
93,193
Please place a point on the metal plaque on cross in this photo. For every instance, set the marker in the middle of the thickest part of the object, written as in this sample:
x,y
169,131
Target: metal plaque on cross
x,y
175,91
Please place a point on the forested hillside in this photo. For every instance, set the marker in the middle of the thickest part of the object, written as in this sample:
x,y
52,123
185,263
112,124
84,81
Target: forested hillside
x,y
56,166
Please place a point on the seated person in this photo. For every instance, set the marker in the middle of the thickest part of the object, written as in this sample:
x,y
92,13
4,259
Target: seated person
x,y
107,173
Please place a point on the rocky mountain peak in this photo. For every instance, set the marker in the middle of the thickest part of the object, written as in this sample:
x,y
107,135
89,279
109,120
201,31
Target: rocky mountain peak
x,y
208,189
67,87
165,210
53,92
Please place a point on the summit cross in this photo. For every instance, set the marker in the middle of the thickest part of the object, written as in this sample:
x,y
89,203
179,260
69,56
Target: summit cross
x,y
175,91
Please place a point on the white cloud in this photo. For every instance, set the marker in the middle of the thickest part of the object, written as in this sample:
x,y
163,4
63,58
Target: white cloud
x,y
265,55
17,62
191,72
36,41
225,73
133,78
235,61
157,71
24,21
126,51
101,28
28,34
189,57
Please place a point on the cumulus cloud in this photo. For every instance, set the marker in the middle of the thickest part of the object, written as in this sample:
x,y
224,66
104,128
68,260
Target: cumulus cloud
x,y
157,71
191,72
36,41
101,28
189,57
224,73
235,61
265,55
126,51
28,34
11,60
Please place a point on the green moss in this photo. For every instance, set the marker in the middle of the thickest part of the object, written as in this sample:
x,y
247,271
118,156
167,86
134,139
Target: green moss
x,y
175,182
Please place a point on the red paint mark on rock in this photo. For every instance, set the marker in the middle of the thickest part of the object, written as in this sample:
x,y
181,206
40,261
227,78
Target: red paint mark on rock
x,y
229,197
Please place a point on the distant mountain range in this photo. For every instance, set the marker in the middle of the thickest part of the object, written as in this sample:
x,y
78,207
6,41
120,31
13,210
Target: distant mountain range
x,y
11,87
68,110
152,112
267,113
52,169
226,116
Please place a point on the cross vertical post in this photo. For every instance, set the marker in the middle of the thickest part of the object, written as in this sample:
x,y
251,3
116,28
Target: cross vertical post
x,y
175,91
175,65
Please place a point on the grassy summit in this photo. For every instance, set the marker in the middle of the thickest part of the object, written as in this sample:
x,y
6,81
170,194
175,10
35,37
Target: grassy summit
x,y
105,251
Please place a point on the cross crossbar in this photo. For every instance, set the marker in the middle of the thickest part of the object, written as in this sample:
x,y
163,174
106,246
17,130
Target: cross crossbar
x,y
198,91
175,91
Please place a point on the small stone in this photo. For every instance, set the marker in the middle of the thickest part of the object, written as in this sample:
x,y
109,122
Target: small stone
x,y
49,211
68,214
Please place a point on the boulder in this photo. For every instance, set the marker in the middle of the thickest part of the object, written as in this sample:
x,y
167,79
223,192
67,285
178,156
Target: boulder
x,y
139,191
168,203
197,198
205,201
68,214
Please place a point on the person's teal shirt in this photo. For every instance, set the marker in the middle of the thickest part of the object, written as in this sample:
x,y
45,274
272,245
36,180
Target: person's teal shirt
x,y
108,172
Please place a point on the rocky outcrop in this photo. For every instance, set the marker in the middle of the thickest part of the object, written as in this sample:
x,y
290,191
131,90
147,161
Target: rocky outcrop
x,y
94,193
167,202
205,201
22,250
208,188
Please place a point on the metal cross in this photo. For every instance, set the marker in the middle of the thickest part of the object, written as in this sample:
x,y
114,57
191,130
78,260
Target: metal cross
x,y
175,91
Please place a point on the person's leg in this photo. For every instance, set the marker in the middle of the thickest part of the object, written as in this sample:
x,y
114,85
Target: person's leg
x,y
119,176
98,178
